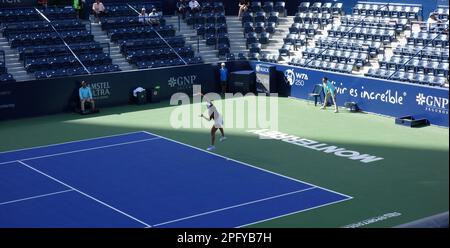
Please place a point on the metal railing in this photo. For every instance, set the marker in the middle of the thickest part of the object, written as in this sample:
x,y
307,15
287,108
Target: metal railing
x,y
430,27
30,52
2,58
65,43
161,37
413,56
395,4
386,5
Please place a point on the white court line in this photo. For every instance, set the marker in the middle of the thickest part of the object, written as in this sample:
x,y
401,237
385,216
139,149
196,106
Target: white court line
x,y
234,206
35,197
70,142
88,196
162,137
81,150
296,212
249,165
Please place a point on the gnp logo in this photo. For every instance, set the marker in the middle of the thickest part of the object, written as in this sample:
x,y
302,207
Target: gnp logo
x,y
182,82
433,103
293,78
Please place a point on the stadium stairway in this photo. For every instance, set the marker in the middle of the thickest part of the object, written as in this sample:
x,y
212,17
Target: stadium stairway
x,y
208,53
236,34
276,41
237,39
15,67
116,56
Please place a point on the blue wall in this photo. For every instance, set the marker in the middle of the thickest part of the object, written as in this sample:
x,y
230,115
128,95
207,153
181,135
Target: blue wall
x,y
371,95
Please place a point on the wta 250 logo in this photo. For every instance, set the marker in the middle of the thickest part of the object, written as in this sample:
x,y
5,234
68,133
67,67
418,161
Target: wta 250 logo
x,y
293,78
433,103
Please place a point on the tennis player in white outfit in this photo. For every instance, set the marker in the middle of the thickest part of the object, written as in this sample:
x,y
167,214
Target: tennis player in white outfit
x,y
218,123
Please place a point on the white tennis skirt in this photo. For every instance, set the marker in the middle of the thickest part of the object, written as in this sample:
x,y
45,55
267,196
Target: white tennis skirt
x,y
218,122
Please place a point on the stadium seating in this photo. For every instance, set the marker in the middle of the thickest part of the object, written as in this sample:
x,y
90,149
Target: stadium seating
x,y
43,46
211,25
149,46
259,24
354,43
4,75
424,59
408,11
364,35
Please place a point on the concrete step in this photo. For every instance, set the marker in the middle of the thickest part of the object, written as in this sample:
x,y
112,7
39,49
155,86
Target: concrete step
x,y
21,73
208,51
210,56
116,55
15,69
24,77
14,64
12,59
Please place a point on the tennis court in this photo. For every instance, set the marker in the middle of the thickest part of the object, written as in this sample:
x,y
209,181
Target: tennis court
x,y
143,180
128,168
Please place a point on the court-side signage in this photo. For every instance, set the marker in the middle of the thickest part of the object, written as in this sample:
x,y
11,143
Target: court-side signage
x,y
317,146
48,96
17,3
371,95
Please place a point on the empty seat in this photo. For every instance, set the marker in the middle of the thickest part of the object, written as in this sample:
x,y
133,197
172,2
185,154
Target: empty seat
x,y
255,48
255,6
268,6
264,38
280,7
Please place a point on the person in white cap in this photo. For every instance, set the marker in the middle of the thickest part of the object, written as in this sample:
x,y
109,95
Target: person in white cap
x,y
213,114
154,17
143,16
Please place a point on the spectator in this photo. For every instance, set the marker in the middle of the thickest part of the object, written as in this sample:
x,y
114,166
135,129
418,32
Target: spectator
x,y
223,77
99,9
446,27
85,9
330,91
77,5
194,6
182,8
85,96
154,17
43,3
143,16
433,21
243,7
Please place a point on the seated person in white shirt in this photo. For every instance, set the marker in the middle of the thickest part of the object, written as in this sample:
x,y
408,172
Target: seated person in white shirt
x,y
143,17
433,21
154,17
99,9
194,6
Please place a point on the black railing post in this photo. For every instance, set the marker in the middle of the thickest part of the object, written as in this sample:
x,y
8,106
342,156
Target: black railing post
x,y
179,23
198,44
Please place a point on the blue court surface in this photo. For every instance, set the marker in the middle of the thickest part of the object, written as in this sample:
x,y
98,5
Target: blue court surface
x,y
144,180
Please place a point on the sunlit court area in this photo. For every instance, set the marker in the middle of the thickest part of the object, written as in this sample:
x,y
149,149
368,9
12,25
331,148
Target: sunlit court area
x,y
224,114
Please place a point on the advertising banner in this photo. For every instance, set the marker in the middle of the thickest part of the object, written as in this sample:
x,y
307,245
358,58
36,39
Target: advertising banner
x,y
39,97
385,97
